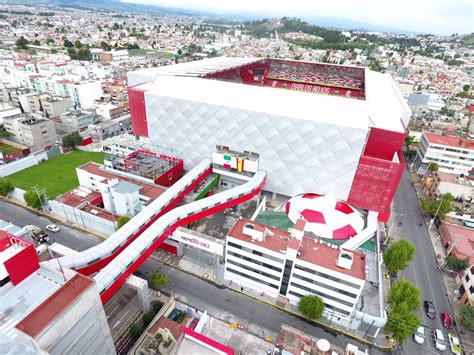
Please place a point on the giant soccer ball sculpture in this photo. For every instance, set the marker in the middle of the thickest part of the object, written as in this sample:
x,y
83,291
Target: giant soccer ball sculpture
x,y
326,217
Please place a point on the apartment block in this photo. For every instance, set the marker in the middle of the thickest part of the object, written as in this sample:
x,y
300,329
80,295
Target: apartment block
x,y
33,131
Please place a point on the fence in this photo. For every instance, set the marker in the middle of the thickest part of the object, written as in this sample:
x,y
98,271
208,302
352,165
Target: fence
x,y
27,162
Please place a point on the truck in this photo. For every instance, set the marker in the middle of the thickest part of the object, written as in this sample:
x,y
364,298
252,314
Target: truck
x,y
37,233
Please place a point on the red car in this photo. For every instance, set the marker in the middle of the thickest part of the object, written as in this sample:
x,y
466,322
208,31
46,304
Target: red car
x,y
446,320
193,323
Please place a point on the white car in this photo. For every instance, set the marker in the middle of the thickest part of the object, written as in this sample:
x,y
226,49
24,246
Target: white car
x,y
454,343
438,339
52,228
419,336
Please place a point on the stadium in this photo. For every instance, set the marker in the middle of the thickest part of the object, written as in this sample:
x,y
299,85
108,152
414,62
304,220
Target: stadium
x,y
318,128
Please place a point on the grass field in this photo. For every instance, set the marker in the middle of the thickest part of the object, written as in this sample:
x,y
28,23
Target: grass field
x,y
151,53
8,149
57,175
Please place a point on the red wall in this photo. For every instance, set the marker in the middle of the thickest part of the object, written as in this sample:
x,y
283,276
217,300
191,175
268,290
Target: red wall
x,y
172,175
169,248
383,144
136,99
22,265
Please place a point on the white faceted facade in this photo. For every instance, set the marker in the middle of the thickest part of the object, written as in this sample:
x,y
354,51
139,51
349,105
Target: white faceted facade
x,y
299,155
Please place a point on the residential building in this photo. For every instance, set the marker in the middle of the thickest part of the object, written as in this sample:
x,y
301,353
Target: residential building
x,y
452,154
10,151
108,111
119,56
424,102
458,241
108,129
289,265
44,310
53,106
466,289
439,183
7,111
85,93
75,121
33,131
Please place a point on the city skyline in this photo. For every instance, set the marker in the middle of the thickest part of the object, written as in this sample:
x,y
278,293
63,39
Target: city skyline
x,y
437,17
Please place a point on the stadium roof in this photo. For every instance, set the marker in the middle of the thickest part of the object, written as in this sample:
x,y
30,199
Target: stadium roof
x,y
384,106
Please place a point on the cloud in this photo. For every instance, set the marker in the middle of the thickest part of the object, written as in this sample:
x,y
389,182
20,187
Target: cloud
x,y
435,16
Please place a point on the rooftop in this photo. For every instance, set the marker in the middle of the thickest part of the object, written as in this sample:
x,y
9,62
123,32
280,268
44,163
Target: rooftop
x,y
54,305
151,191
309,249
383,106
450,141
125,187
464,239
18,301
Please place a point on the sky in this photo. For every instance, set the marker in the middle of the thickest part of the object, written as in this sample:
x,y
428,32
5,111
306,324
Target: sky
x,y
425,16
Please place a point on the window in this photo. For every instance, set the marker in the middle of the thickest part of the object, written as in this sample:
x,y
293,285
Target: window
x,y
328,306
251,277
342,292
350,304
255,252
286,277
326,276
257,262
253,270
471,290
467,278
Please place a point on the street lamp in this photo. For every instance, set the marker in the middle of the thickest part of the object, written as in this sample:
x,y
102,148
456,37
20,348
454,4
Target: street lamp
x,y
437,211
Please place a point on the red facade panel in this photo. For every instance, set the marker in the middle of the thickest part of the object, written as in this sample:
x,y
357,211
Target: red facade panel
x,y
169,248
172,175
383,144
22,264
375,184
136,99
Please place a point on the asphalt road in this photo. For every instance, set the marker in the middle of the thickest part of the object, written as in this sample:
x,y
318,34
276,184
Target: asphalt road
x,y
422,272
220,302
68,236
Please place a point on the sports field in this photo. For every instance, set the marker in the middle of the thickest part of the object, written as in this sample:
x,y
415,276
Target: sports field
x,y
57,175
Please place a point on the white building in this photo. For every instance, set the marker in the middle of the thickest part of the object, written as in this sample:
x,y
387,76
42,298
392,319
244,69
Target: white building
x,y
289,265
423,102
466,290
85,93
452,154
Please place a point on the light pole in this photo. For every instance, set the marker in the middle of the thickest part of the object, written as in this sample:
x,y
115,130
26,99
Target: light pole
x,y
437,211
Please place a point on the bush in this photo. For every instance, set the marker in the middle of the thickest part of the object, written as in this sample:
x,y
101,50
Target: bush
x,y
311,306
122,221
158,280
148,317
135,330
71,140
6,187
34,199
467,317
156,306
456,264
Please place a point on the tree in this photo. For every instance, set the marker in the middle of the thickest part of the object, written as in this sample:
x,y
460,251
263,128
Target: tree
x,y
437,208
135,330
122,220
6,187
456,264
49,41
433,167
67,43
409,140
398,255
466,88
105,46
132,46
34,199
156,306
3,132
158,280
71,140
148,317
36,42
21,43
311,306
403,291
401,323
467,317
78,44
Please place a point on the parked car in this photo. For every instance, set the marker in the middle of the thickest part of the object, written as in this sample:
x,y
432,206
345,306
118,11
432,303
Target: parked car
x,y
446,320
193,324
454,343
52,228
430,309
419,336
438,339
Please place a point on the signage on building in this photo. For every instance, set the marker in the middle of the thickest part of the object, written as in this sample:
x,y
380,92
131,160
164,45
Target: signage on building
x,y
184,236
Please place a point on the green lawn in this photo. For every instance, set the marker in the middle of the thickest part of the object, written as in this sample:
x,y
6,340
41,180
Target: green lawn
x,y
57,175
8,149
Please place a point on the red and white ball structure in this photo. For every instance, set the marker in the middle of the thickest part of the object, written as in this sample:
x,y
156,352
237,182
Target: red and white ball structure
x,y
326,217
